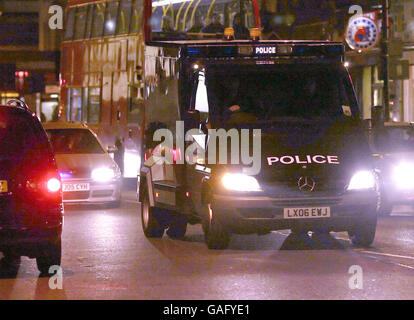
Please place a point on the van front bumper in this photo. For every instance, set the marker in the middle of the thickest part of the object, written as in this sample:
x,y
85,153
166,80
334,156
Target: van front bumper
x,y
256,214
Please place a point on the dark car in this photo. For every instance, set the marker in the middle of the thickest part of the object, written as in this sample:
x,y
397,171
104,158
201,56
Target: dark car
x,y
31,210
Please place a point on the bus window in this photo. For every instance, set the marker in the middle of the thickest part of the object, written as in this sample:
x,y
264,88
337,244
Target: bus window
x,y
70,20
80,22
136,16
94,105
194,19
110,18
74,104
88,30
124,16
98,20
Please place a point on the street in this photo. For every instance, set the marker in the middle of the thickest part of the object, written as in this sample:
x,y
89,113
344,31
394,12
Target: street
x,y
106,256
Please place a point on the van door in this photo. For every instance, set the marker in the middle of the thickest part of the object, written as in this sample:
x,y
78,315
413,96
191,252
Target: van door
x,y
197,169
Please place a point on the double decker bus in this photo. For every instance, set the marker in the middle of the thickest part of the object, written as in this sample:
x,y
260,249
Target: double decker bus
x,y
102,59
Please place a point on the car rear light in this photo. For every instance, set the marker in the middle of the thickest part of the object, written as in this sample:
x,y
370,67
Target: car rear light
x,y
53,185
49,184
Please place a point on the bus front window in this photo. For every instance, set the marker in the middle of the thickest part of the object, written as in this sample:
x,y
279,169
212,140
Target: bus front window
x,y
202,19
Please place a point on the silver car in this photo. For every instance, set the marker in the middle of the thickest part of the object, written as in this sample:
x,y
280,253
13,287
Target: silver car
x,y
88,172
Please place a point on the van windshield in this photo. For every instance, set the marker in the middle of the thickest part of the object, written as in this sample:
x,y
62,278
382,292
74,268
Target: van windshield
x,y
286,92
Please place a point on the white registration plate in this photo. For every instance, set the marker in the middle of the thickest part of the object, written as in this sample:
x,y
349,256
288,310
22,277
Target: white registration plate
x,y
306,213
75,187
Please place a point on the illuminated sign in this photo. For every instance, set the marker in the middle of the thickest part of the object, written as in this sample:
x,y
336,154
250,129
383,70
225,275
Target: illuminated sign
x,y
319,159
362,33
265,50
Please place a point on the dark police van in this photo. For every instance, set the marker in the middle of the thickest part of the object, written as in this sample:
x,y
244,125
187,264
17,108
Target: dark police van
x,y
297,152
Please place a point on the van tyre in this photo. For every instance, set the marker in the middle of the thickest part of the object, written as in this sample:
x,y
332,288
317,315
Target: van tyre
x,y
150,224
215,235
50,255
177,228
363,233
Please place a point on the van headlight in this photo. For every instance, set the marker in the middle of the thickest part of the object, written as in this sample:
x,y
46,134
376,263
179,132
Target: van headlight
x,y
103,174
362,180
240,182
403,175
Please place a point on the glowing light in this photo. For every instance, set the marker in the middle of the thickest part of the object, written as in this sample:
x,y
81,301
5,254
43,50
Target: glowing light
x,y
240,182
103,174
362,180
403,175
53,185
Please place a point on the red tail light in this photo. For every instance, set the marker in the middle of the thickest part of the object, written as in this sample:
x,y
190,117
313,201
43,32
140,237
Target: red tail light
x,y
53,185
50,184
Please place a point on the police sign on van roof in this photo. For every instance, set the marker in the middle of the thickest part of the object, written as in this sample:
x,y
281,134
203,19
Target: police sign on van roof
x,y
265,50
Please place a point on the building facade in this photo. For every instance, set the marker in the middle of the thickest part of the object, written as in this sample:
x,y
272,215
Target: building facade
x,y
29,55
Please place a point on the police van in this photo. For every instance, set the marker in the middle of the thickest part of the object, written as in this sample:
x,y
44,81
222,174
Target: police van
x,y
249,136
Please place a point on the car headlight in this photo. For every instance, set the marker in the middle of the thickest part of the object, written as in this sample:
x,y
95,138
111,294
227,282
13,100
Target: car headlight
x,y
240,182
103,174
362,180
403,175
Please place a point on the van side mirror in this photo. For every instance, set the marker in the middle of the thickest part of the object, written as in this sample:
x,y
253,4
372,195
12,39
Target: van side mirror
x,y
191,119
377,117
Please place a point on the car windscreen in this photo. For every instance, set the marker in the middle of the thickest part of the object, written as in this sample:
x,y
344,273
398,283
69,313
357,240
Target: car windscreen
x,y
74,141
20,137
302,92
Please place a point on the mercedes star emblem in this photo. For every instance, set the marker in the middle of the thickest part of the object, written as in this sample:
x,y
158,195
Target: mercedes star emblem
x,y
306,184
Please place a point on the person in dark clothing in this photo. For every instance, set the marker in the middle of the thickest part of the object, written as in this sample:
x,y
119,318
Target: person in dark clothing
x,y
215,26
197,25
119,154
240,31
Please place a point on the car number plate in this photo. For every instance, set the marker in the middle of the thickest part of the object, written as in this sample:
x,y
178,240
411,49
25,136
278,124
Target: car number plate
x,y
75,187
3,186
306,213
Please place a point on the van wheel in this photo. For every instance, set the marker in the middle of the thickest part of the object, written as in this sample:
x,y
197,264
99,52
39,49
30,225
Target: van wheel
x,y
215,235
363,234
177,228
150,225
51,255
